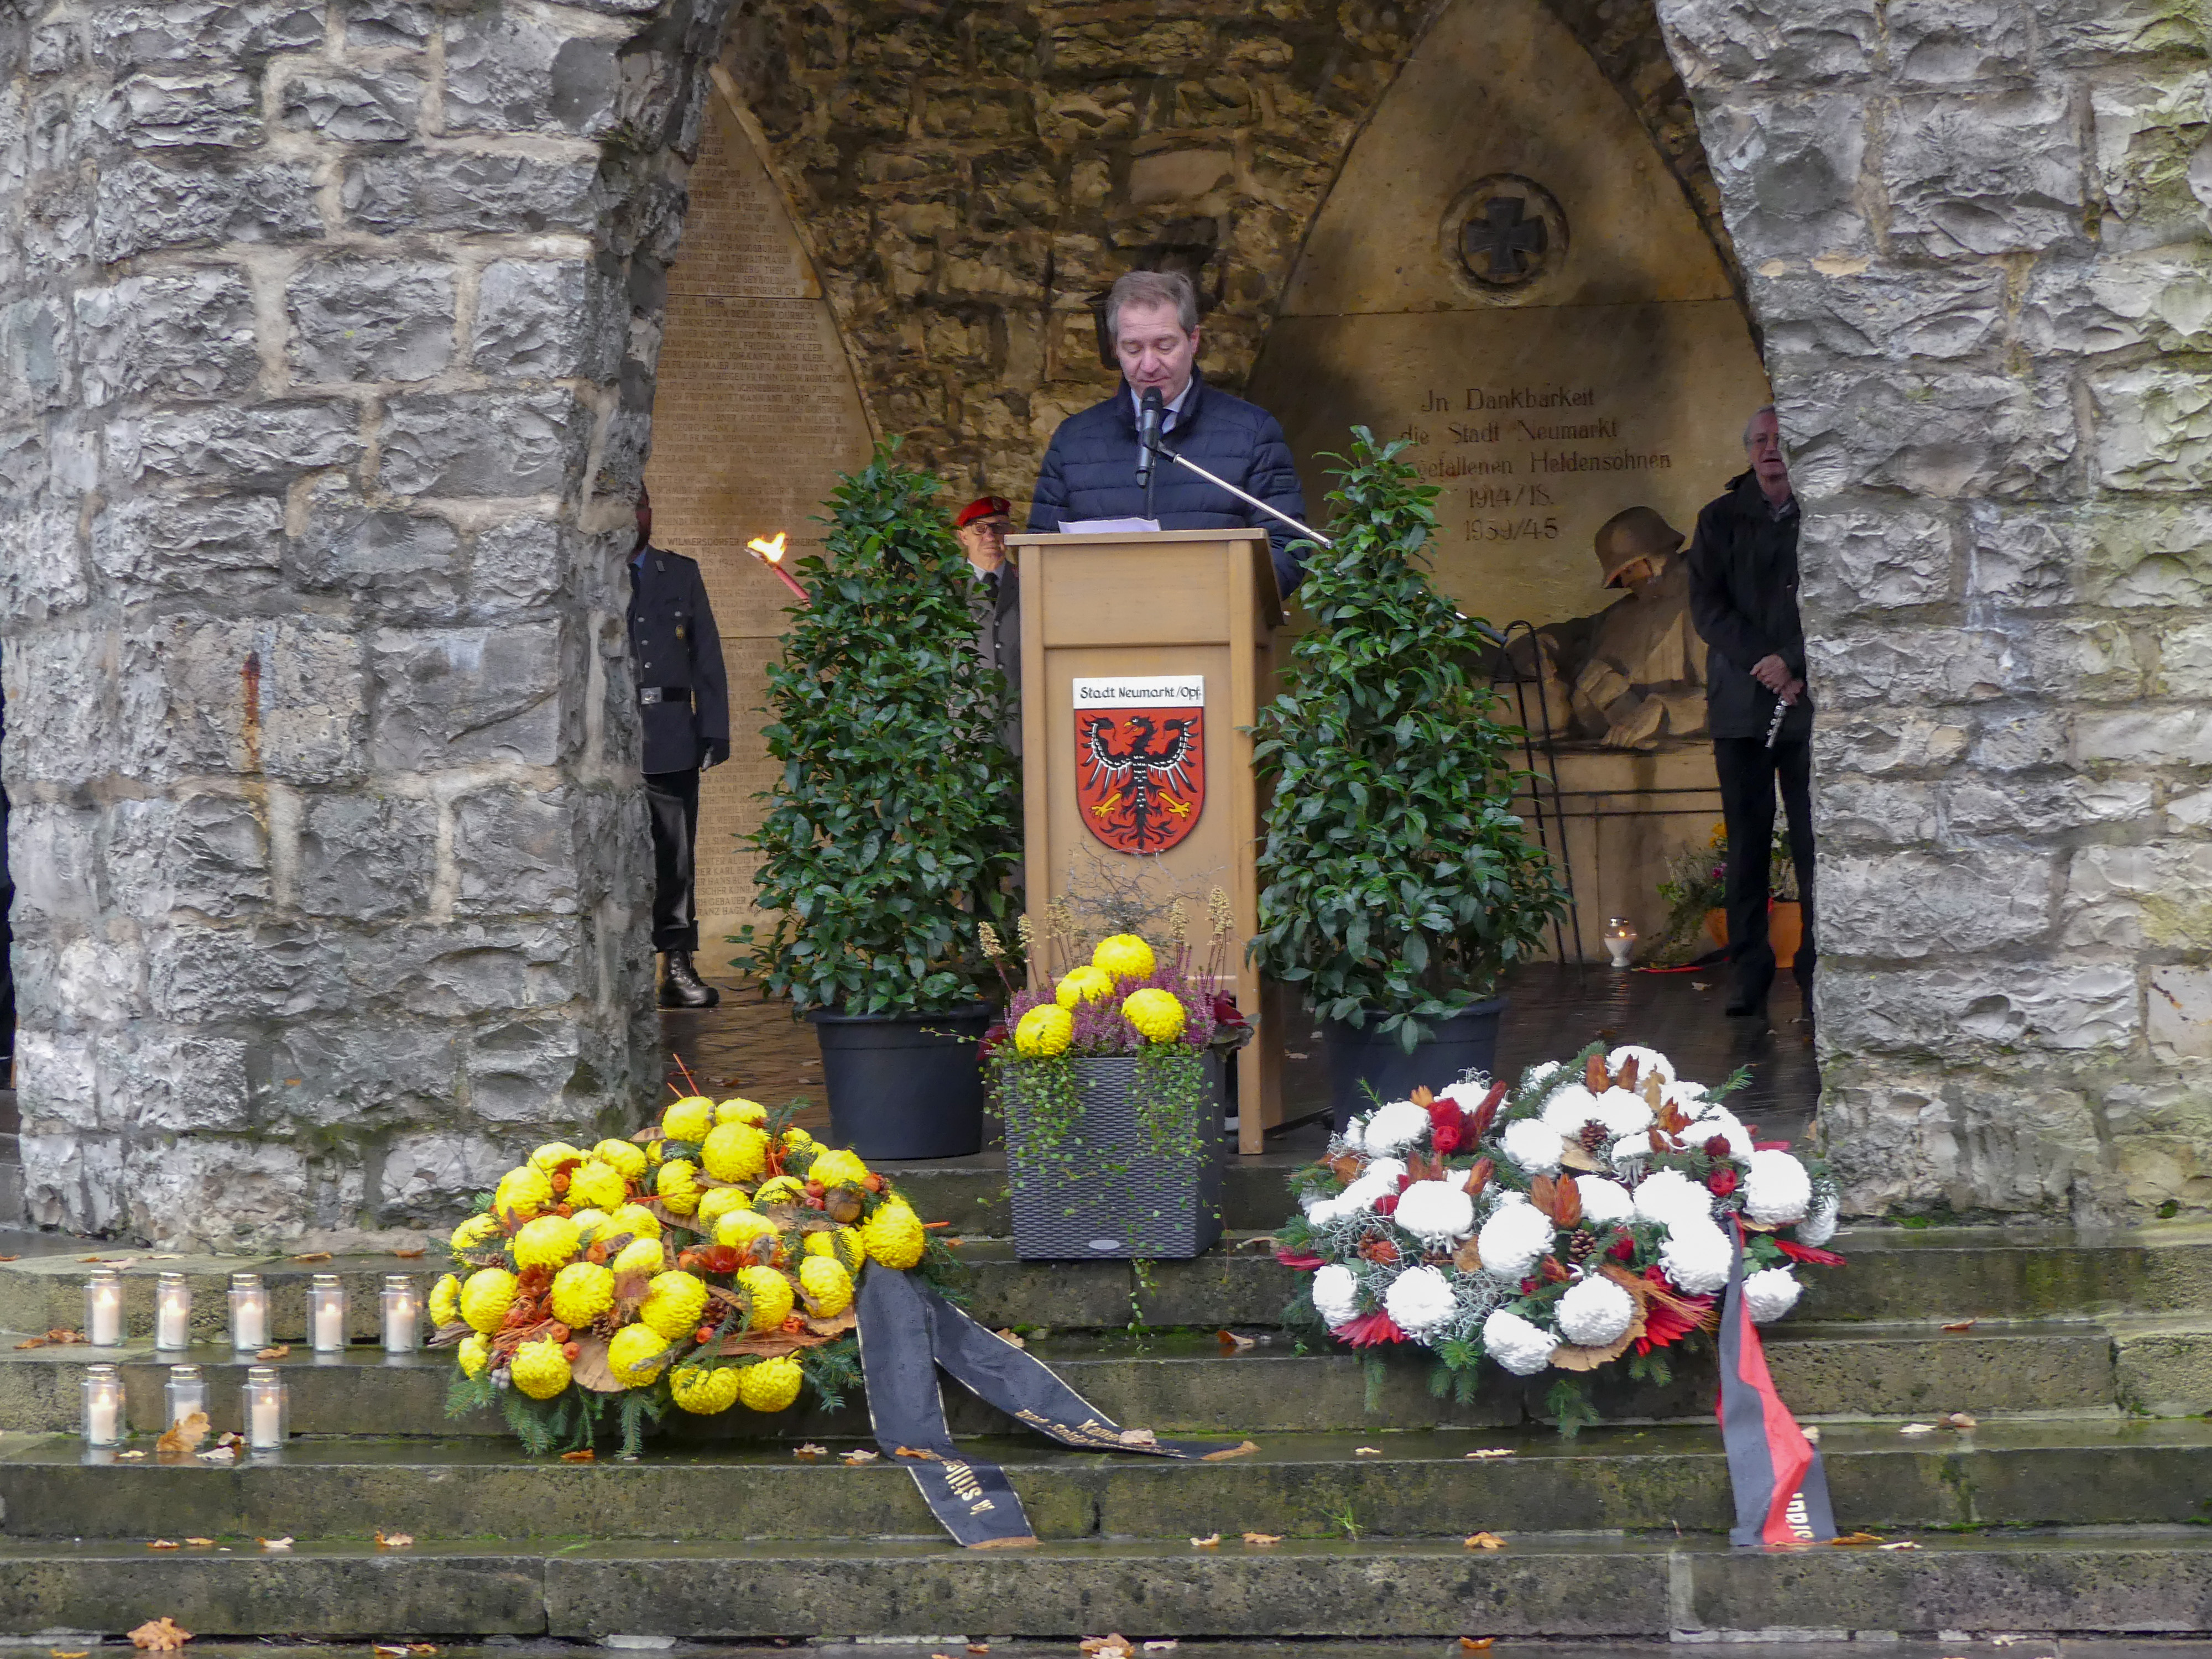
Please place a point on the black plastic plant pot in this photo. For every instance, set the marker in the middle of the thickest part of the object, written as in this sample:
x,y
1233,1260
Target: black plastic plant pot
x,y
1361,1059
904,1086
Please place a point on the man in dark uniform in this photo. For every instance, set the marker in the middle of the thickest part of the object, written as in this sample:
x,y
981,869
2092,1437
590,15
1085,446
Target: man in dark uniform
x,y
982,527
1743,597
1089,468
683,706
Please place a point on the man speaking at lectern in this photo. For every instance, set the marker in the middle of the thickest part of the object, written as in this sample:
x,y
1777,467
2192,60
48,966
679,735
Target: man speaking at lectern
x,y
1091,468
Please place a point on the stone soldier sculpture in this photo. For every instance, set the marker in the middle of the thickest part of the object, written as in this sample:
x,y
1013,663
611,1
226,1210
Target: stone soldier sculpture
x,y
1637,669
684,708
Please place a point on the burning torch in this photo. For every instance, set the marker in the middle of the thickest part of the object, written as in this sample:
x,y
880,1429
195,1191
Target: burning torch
x,y
770,551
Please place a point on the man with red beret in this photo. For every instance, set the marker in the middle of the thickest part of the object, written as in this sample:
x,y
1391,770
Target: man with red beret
x,y
982,527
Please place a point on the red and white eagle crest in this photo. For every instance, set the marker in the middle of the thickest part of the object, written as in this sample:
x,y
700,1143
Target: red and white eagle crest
x,y
1140,759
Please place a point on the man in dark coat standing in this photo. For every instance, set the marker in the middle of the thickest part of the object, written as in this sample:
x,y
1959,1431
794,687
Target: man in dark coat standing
x,y
1090,468
683,706
1743,599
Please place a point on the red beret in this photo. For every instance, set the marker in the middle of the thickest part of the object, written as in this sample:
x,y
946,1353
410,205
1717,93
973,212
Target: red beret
x,y
983,507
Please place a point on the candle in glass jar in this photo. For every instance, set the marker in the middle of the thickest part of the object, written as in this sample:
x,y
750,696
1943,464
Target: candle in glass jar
x,y
103,1406
103,1310
184,1392
326,1314
249,1313
172,1312
402,1314
265,1409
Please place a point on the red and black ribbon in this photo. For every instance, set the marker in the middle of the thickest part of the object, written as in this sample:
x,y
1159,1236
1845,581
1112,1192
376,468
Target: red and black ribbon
x,y
1781,1488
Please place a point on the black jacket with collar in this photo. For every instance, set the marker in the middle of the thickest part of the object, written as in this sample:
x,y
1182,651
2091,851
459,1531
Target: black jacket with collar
x,y
674,646
1743,600
1089,471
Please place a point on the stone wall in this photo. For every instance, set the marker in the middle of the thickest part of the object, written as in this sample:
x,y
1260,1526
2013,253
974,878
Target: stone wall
x,y
318,321
1976,237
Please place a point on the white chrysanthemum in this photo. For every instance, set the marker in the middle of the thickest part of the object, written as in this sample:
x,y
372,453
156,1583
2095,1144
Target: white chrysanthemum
x,y
1625,1112
1379,1177
1696,1256
1666,1196
1629,1150
1396,1127
1648,1060
1570,1108
1514,1239
1818,1228
1335,1295
1421,1302
1354,1136
1770,1294
1690,1096
1595,1311
1522,1348
1604,1202
1533,1144
1718,1120
1437,1212
1467,1095
1542,1072
1777,1191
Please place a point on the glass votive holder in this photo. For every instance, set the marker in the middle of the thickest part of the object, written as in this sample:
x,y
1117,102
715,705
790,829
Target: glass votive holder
x,y
268,1409
326,1314
249,1313
1619,940
403,1314
184,1392
103,1308
172,1312
103,1406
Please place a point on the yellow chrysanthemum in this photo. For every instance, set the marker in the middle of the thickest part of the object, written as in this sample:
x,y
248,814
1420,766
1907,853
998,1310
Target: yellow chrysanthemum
x,y
539,1368
552,1155
446,1301
636,1355
841,1244
717,1201
523,1192
1083,984
1157,1014
828,1287
1044,1031
740,1228
625,1158
770,1385
582,1290
547,1242
590,1224
735,1151
477,1230
771,1295
635,1220
838,1167
1124,956
688,1119
677,1185
474,1353
596,1186
639,1255
485,1298
673,1304
796,1137
781,1189
738,1109
893,1235
702,1392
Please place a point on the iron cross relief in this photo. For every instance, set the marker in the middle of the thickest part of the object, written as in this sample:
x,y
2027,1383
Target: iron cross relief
x,y
1504,237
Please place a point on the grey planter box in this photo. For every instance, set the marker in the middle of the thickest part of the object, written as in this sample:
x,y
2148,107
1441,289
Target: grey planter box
x,y
1122,1200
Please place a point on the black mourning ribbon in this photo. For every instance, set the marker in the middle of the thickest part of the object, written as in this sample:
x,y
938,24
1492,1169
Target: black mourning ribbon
x,y
906,1330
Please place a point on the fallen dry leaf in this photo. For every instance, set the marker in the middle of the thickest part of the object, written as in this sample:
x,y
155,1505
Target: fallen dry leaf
x,y
586,1456
10,1258
220,1455
1477,1643
856,1458
201,1543
32,1342
1901,1544
2006,1641
979,1647
810,1453
283,1543
57,1653
1961,1420
1139,1437
1010,1338
276,1352
1958,1326
1812,1433
1160,1647
396,1649
128,1456
159,1635
920,1454
1854,1539
421,1649
394,1540
183,1436
1260,1540
1212,1540
1485,1540
1489,1452
164,1544
1367,1451
1233,1343
313,1255
1918,1428
1117,1646
408,1255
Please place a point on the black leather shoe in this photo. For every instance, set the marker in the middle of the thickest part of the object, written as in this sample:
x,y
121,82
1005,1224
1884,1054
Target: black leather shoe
x,y
680,984
1740,1009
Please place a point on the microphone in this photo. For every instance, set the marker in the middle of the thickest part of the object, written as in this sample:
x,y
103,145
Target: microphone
x,y
1148,434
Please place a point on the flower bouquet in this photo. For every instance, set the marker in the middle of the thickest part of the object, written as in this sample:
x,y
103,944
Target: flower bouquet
x,y
707,1263
1111,1084
1569,1221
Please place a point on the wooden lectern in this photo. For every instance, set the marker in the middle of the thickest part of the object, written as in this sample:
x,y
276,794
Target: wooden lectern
x,y
1125,638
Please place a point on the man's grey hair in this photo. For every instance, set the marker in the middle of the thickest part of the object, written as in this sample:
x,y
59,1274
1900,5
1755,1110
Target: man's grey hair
x,y
1152,287
1764,409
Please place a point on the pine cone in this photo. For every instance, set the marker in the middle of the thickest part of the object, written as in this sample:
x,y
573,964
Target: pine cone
x,y
1595,1136
1582,1245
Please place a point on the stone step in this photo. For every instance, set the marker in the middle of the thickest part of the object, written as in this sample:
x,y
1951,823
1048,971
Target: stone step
x,y
972,1195
1184,1382
2099,1580
2047,1647
1412,1484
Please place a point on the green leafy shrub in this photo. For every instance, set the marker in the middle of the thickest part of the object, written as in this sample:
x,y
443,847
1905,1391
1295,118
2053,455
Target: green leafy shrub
x,y
1395,884
896,830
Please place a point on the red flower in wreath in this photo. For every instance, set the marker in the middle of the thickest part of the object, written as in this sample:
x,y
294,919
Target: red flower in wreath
x,y
1722,1182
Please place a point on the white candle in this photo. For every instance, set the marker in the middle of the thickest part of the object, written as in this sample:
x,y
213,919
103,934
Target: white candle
x,y
104,1318
249,1312
100,1420
172,1312
329,1326
402,1313
267,1415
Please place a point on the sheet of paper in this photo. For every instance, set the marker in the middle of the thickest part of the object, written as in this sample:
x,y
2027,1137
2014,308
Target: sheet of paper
x,y
1106,526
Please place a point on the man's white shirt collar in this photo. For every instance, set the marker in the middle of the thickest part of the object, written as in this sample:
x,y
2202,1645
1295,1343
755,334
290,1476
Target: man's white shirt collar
x,y
1173,408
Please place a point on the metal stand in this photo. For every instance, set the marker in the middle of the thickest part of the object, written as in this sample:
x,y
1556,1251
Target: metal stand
x,y
1543,769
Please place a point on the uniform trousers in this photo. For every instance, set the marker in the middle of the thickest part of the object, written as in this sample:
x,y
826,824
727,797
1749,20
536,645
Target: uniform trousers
x,y
671,799
1749,771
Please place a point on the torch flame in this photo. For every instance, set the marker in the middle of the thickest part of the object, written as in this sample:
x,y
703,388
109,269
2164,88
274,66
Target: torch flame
x,y
768,547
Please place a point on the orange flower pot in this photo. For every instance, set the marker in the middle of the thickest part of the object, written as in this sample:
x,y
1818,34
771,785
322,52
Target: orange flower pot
x,y
1786,928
